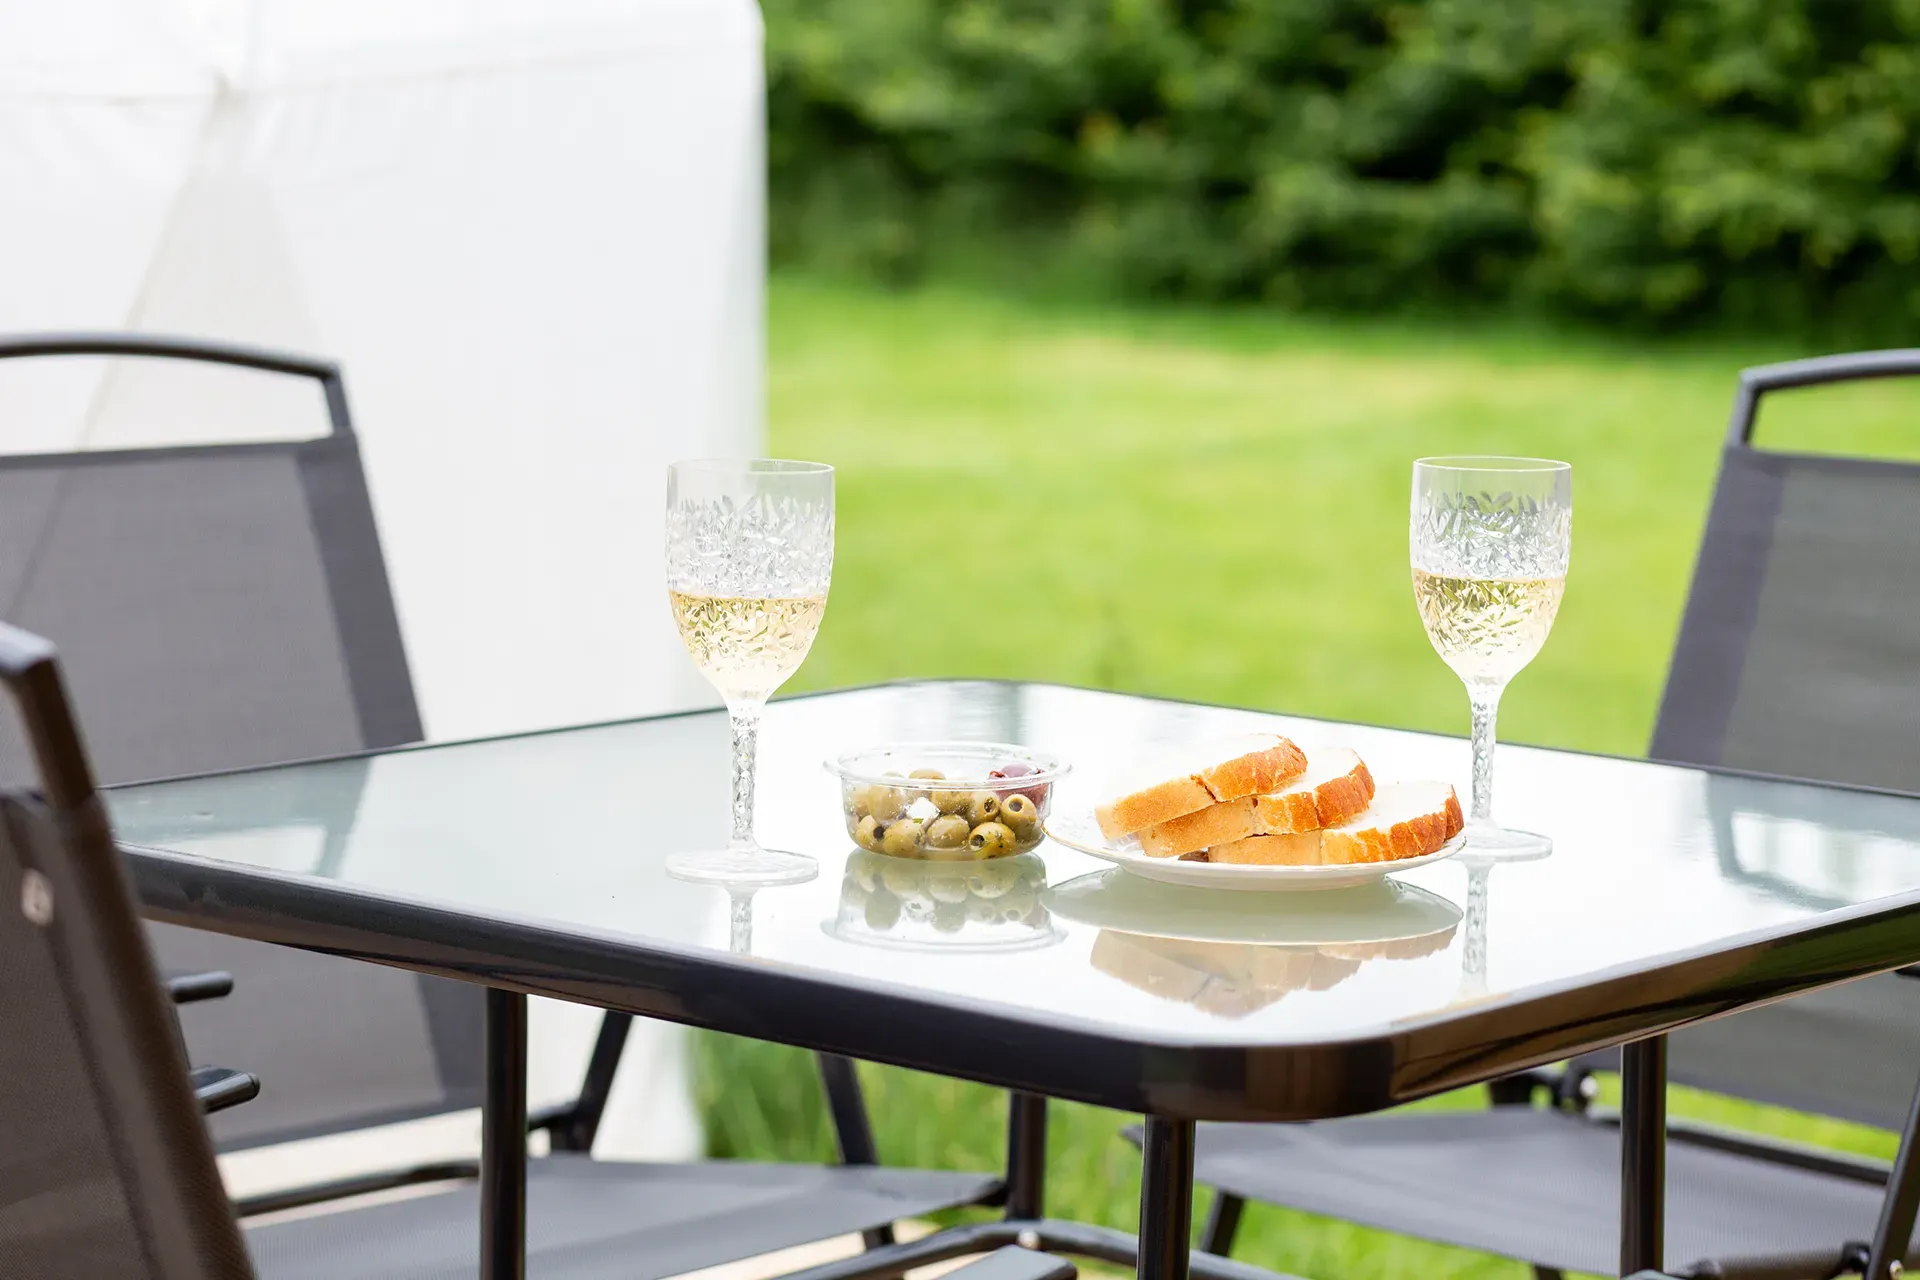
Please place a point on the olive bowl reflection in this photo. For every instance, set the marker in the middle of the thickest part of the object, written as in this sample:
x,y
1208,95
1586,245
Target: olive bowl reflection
x,y
988,905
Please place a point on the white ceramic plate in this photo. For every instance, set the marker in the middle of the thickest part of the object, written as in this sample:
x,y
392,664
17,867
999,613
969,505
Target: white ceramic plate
x,y
1076,829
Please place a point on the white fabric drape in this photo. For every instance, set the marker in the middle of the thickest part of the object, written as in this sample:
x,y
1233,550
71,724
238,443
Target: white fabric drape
x,y
531,230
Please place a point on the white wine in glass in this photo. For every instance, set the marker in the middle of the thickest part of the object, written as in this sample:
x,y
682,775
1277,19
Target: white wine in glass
x,y
749,560
1490,541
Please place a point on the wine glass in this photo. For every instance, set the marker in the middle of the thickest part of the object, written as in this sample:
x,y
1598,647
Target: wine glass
x,y
749,558
1490,541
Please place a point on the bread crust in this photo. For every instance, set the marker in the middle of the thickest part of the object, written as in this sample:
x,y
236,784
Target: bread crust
x,y
1367,837
1295,808
1256,772
1413,836
1267,762
1301,808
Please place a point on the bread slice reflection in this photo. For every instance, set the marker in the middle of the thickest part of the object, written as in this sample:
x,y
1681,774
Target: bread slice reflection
x,y
1234,979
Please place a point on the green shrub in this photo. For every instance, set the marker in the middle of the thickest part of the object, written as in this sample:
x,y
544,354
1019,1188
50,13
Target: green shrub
x,y
1745,160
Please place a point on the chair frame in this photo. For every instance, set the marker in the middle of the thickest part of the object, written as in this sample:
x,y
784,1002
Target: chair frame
x,y
139,1071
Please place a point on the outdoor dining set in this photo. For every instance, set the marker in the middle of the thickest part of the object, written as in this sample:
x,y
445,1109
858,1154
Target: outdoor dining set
x,y
313,923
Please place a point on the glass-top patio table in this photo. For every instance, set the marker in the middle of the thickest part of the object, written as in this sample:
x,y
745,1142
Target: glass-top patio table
x,y
533,864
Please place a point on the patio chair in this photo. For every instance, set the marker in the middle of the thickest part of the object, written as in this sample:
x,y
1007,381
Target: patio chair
x,y
106,1169
225,606
1797,657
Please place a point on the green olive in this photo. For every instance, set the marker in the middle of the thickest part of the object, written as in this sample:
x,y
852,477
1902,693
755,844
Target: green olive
x,y
867,834
983,807
953,801
982,911
949,917
859,802
886,803
902,838
1018,812
991,840
931,775
864,872
947,831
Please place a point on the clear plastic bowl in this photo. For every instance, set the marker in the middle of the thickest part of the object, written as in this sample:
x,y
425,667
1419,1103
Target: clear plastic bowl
x,y
965,815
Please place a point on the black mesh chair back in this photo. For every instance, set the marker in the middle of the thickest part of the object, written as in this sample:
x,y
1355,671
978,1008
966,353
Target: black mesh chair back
x,y
1799,656
1799,652
105,1167
226,606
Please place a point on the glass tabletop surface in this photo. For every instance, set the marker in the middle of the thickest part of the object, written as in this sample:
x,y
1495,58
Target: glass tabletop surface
x,y
572,828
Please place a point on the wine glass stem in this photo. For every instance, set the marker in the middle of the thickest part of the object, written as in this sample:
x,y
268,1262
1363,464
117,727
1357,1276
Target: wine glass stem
x,y
744,719
1486,710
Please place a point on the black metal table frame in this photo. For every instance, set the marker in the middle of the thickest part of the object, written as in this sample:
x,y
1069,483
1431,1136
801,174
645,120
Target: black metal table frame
x,y
1161,1251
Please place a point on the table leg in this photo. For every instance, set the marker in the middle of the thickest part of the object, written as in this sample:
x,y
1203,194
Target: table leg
x,y
1166,1199
1643,1155
1026,1156
503,1140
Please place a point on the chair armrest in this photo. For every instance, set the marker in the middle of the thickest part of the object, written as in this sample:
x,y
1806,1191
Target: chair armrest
x,y
1015,1263
217,1088
190,988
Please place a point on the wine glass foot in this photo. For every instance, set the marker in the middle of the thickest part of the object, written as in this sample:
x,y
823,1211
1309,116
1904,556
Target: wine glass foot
x,y
1493,842
755,867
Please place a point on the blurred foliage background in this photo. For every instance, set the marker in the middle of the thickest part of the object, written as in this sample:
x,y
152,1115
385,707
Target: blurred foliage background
x,y
1647,162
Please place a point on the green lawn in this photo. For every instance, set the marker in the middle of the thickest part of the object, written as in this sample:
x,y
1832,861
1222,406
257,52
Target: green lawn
x,y
1213,506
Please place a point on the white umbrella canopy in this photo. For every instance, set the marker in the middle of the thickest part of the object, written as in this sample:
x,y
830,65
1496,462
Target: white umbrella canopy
x,y
532,231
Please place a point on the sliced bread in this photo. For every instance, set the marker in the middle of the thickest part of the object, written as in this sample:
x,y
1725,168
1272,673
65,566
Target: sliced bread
x,y
1301,850
1192,778
1215,824
1335,787
1405,820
